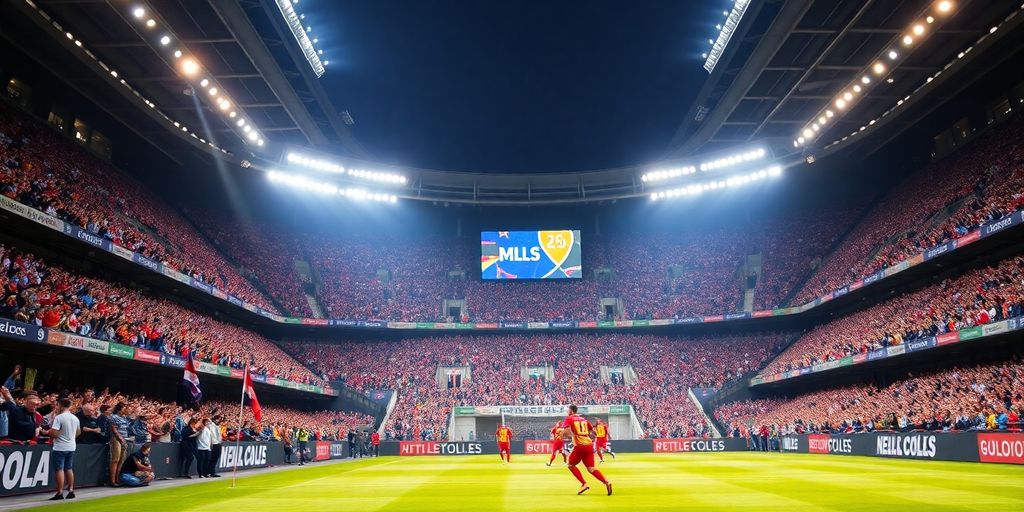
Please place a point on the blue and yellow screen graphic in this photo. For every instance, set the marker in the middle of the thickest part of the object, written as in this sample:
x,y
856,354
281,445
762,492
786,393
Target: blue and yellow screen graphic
x,y
531,255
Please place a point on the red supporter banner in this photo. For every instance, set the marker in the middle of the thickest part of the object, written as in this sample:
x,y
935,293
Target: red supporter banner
x,y
761,313
947,338
538,446
818,443
857,284
486,325
714,318
859,358
969,238
688,445
236,373
407,448
915,259
323,451
587,324
148,356
1004,448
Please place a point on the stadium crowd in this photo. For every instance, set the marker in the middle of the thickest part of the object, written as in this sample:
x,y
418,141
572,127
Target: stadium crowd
x,y
977,297
951,198
665,369
57,298
41,169
981,397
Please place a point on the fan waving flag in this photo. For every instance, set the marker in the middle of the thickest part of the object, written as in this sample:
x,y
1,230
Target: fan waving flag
x,y
191,380
249,391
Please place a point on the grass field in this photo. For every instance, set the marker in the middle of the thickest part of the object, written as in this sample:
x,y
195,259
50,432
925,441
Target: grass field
x,y
697,481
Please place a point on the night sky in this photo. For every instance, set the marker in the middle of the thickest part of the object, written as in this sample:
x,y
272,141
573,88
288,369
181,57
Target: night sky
x,y
514,86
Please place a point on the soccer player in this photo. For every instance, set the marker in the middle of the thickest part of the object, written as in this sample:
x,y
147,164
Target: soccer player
x,y
557,445
602,438
583,450
504,437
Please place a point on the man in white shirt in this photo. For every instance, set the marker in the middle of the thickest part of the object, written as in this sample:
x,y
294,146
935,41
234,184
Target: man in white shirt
x,y
203,449
64,429
215,445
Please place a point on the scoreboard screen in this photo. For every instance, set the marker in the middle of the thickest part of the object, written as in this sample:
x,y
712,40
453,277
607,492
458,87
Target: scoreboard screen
x,y
531,254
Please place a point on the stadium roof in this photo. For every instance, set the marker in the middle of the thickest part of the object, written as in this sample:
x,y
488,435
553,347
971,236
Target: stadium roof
x,y
786,62
791,59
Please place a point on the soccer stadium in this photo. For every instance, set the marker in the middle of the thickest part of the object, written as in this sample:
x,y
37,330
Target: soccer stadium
x,y
438,255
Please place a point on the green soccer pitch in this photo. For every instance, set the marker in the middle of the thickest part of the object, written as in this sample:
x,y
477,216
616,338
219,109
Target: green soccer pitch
x,y
698,481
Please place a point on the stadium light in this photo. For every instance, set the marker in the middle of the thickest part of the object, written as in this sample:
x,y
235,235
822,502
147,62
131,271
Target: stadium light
x,y
324,188
915,33
709,165
294,22
732,21
139,12
321,165
190,67
730,182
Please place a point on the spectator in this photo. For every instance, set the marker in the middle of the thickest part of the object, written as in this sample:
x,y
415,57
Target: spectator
x,y
23,421
204,440
189,447
137,471
64,430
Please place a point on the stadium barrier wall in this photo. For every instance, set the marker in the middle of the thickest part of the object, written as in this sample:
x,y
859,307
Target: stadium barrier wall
x,y
26,469
998,447
544,446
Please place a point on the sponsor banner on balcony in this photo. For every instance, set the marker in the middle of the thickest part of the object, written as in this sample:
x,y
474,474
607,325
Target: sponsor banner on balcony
x,y
994,227
401,325
148,356
860,358
122,252
939,250
587,324
512,325
690,320
172,361
444,325
946,338
663,321
22,331
876,354
995,328
605,324
314,321
641,323
970,333
141,260
485,325
920,344
205,367
762,313
563,325
737,316
714,318
257,377
202,286
895,350
840,292
119,350
536,325
31,214
370,323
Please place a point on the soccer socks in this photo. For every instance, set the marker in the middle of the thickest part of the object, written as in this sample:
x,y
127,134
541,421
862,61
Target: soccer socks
x,y
576,473
600,456
597,474
552,459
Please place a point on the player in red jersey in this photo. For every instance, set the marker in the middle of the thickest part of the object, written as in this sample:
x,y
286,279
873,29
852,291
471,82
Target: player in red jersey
x,y
504,437
583,450
557,444
602,437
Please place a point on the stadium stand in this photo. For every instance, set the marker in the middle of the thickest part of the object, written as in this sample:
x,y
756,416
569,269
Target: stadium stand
x,y
44,170
975,298
666,368
951,198
57,298
978,397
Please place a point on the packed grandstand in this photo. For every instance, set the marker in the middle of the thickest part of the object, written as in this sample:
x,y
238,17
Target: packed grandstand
x,y
895,308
